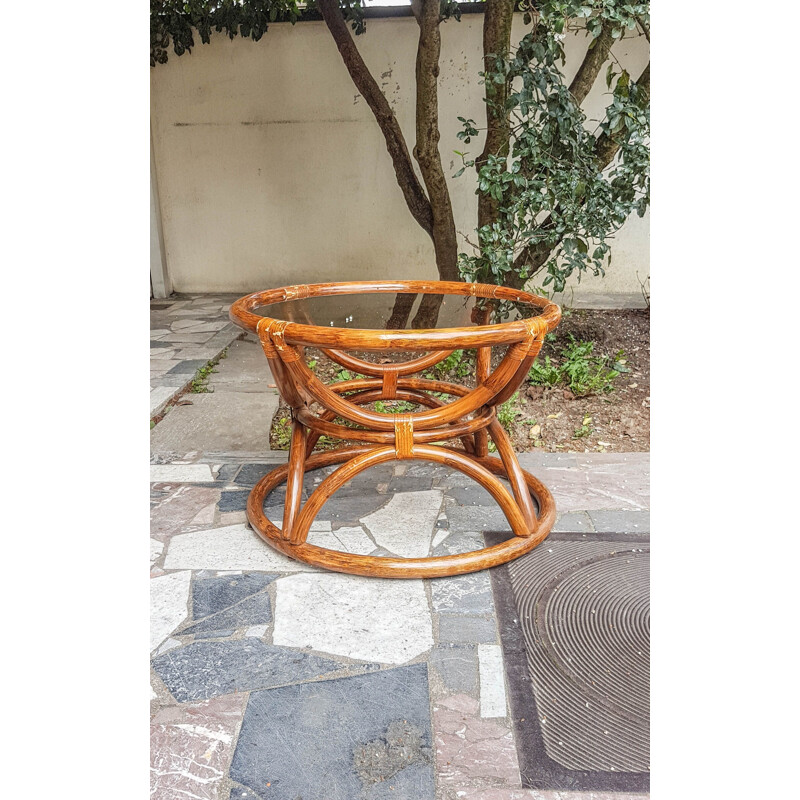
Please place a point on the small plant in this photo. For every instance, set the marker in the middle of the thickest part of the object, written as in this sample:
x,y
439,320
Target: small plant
x,y
312,363
545,373
506,413
579,369
343,375
395,407
283,433
457,363
200,380
584,430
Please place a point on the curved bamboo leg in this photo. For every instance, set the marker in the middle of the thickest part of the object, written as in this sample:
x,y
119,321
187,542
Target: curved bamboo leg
x,y
514,473
294,481
481,469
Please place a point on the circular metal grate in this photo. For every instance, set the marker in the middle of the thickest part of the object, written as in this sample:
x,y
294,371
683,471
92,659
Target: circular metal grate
x,y
584,610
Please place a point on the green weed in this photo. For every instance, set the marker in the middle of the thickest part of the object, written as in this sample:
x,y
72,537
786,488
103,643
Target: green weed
x,y
579,369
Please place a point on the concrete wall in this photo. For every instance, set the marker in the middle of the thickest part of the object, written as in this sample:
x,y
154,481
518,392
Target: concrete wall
x,y
272,170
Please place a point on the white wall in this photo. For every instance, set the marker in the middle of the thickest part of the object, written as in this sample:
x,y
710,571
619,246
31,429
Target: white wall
x,y
272,170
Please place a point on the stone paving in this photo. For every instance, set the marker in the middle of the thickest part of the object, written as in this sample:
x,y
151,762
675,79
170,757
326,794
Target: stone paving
x,y
272,680
186,332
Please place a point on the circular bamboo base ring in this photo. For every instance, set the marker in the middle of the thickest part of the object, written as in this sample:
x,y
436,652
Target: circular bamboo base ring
x,y
376,566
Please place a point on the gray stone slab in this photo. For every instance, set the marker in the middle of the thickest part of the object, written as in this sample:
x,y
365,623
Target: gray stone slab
x,y
230,601
212,595
204,669
160,396
189,366
471,495
464,629
217,423
349,507
459,542
457,666
244,369
463,594
483,518
410,483
362,738
574,522
251,474
621,521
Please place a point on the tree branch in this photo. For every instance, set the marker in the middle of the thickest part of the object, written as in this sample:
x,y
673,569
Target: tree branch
x,y
415,197
535,256
593,62
426,152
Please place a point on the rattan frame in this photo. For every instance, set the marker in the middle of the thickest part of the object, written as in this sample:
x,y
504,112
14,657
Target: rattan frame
x,y
529,507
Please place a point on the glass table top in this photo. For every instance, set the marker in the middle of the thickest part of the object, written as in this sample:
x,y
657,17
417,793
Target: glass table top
x,y
366,311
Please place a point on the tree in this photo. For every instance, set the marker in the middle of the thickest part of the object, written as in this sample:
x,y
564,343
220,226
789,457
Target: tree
x,y
550,191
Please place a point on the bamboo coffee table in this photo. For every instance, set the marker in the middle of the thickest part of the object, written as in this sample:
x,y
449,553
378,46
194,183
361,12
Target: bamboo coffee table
x,y
470,418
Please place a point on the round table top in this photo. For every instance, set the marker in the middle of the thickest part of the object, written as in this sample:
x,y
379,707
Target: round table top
x,y
356,314
364,311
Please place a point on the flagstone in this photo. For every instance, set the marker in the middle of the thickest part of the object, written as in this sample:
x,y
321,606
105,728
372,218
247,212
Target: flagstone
x,y
156,548
405,525
346,540
369,619
366,737
469,748
230,602
230,547
180,508
458,667
191,748
205,669
463,594
180,473
492,678
169,605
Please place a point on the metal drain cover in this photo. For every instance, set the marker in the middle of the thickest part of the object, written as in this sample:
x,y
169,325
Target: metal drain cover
x,y
575,617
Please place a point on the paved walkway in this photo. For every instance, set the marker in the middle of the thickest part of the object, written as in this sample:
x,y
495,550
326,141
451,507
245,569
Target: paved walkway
x,y
271,679
186,332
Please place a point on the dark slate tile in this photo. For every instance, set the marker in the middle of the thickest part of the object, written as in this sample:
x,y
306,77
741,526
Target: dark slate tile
x,y
251,474
472,495
155,344
233,501
190,366
210,634
255,610
466,629
212,595
351,506
202,670
382,473
480,518
227,472
230,602
366,737
405,483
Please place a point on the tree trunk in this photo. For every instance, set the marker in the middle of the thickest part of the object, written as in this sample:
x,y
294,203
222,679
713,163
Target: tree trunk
x,y
497,20
426,152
